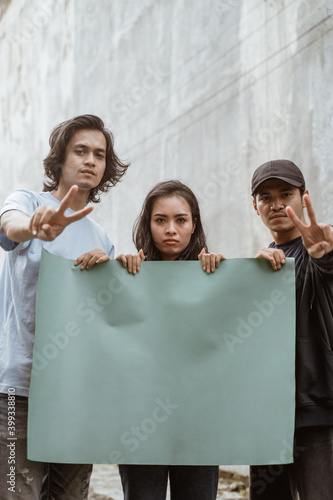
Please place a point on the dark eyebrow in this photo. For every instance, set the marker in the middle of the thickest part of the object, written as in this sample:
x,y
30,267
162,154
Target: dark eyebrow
x,y
84,146
164,215
281,190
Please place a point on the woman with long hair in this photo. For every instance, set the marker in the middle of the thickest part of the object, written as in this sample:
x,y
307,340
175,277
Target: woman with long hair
x,y
169,228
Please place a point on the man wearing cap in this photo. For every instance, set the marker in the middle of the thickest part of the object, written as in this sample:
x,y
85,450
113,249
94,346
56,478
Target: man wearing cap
x,y
279,196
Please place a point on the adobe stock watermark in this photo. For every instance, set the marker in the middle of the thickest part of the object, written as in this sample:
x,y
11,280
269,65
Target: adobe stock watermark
x,y
88,309
43,14
137,434
246,326
138,93
11,444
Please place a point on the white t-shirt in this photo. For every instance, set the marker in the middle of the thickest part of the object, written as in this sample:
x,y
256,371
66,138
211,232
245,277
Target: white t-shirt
x,y
18,283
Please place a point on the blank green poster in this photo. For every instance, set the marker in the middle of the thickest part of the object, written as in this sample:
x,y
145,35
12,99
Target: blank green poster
x,y
171,366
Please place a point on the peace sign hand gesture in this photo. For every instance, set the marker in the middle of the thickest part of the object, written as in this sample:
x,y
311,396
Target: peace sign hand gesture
x,y
48,222
317,238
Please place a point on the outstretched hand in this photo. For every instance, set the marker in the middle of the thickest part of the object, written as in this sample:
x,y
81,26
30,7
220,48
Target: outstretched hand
x,y
48,222
317,238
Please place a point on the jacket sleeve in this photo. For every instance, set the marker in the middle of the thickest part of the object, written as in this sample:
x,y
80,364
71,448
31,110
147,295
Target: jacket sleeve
x,y
325,263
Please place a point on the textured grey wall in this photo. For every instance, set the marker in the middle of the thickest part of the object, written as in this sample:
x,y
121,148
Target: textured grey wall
x,y
200,91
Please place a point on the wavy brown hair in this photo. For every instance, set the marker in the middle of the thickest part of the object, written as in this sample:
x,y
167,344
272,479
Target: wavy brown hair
x,y
142,236
60,137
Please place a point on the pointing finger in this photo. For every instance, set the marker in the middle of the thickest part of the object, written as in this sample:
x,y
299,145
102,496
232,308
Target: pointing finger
x,y
293,217
309,209
78,215
67,200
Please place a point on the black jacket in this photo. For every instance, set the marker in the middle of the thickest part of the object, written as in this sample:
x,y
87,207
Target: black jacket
x,y
314,335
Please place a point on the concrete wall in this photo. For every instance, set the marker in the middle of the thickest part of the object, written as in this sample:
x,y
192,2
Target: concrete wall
x,y
203,91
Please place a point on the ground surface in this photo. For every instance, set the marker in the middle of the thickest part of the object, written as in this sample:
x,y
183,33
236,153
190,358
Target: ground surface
x,y
105,485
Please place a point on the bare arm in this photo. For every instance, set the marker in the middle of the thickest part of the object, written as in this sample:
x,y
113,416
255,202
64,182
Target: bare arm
x,y
46,223
15,226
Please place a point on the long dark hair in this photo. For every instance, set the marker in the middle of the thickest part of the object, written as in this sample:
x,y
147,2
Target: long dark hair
x,y
59,138
142,236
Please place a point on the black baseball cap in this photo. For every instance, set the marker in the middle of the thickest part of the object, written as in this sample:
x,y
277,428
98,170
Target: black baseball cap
x,y
284,170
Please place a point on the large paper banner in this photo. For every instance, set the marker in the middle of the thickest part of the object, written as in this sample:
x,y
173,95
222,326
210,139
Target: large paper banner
x,y
171,366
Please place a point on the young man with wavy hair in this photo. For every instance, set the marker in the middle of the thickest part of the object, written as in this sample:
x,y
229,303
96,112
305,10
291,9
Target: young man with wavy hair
x,y
81,164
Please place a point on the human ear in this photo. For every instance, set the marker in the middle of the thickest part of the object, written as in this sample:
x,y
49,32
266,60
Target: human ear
x,y
255,207
194,226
